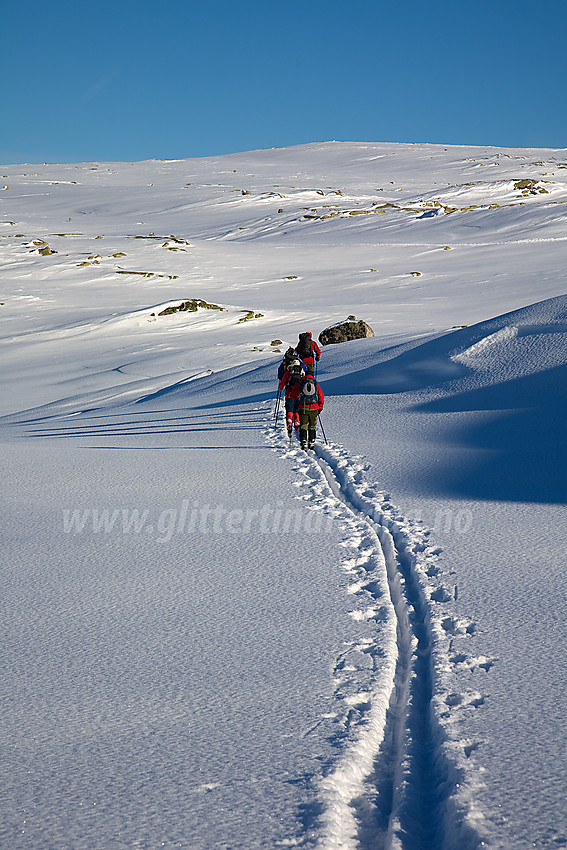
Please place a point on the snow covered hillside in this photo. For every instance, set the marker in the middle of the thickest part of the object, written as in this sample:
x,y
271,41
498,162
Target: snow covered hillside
x,y
215,640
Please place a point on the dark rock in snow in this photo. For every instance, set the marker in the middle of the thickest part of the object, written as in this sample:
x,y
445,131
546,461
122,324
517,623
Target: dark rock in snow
x,y
345,331
190,306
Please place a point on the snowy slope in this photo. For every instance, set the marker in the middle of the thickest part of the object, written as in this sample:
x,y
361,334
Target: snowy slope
x,y
213,640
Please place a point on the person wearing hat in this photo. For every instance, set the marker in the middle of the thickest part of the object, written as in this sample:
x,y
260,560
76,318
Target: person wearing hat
x,y
292,379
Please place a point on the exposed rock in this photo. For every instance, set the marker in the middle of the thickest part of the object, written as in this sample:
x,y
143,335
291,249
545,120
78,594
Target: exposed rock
x,y
250,314
525,184
345,331
148,275
189,306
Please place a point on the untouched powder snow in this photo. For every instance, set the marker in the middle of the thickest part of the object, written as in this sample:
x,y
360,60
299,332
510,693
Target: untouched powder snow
x,y
214,640
147,653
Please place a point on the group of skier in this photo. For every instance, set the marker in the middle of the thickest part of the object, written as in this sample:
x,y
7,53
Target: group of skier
x,y
304,397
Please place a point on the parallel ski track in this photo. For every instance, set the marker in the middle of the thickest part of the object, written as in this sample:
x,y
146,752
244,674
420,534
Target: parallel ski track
x,y
407,780
406,800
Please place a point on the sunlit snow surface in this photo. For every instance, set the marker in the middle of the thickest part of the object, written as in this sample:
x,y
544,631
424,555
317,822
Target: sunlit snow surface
x,y
212,640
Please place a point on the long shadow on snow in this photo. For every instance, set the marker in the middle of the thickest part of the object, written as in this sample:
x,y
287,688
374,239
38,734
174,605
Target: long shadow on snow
x,y
183,448
521,449
134,424
116,429
524,441
408,371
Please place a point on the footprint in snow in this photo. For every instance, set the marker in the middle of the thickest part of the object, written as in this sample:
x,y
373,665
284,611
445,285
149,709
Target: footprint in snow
x,y
354,660
482,662
454,626
474,700
351,542
441,594
373,587
469,747
378,614
360,701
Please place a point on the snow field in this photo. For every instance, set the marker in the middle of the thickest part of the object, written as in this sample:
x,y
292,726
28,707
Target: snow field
x,y
188,667
146,688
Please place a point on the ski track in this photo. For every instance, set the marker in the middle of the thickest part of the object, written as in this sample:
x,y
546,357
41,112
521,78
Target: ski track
x,y
404,779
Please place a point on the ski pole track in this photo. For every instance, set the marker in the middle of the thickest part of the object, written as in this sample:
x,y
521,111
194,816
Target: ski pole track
x,y
404,779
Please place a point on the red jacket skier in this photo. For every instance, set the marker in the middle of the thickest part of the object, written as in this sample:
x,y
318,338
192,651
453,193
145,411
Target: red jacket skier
x,y
310,403
292,380
308,349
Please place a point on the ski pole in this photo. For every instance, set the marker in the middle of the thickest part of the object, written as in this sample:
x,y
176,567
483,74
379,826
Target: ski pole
x,y
323,430
277,404
277,408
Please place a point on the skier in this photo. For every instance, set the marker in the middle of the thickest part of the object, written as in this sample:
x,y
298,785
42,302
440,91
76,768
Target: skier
x,y
307,349
310,404
292,380
289,356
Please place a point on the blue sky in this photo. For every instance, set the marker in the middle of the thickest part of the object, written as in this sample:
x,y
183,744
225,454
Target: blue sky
x,y
131,80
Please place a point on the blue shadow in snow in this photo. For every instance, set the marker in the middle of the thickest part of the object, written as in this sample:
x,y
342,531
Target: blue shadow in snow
x,y
525,441
426,365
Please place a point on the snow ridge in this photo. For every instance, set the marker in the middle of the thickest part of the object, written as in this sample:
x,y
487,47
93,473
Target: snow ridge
x,y
467,356
404,779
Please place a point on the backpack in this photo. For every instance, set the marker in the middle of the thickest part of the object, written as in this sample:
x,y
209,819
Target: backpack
x,y
308,392
291,354
288,357
304,348
296,373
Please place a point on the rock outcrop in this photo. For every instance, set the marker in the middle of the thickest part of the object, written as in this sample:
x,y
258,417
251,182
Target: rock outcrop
x,y
345,331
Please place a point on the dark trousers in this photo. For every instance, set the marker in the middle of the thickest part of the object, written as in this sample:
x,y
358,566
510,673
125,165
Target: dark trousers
x,y
307,424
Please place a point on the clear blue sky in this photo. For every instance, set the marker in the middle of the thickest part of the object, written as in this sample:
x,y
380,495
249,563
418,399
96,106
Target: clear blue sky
x,y
132,79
